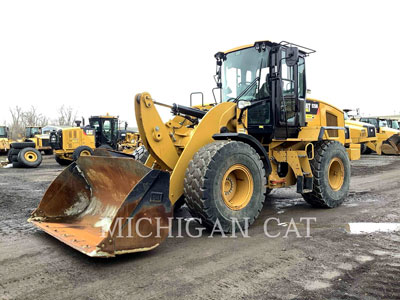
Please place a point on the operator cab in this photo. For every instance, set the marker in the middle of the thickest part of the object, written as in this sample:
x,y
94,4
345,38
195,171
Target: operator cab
x,y
269,79
394,124
377,122
106,128
3,132
31,131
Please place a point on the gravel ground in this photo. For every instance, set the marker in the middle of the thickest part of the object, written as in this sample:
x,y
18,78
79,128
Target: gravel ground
x,y
332,264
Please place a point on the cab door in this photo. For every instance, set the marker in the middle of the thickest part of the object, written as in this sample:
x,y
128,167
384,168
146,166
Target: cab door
x,y
291,96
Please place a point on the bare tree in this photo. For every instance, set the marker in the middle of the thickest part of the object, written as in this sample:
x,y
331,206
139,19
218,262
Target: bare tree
x,y
33,118
22,119
16,126
66,116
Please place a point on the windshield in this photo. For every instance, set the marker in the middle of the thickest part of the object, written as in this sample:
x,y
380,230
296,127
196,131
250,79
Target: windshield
x,y
106,127
3,132
32,131
383,123
395,124
240,71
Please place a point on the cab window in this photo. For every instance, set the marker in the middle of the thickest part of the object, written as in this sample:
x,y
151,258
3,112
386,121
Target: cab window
x,y
107,128
301,78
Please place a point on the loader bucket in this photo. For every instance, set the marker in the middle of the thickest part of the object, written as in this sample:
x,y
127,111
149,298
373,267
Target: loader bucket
x,y
104,206
392,145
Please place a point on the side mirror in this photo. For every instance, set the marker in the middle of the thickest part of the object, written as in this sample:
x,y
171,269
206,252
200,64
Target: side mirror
x,y
292,56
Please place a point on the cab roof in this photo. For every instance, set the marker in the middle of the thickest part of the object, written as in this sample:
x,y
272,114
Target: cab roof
x,y
103,117
306,51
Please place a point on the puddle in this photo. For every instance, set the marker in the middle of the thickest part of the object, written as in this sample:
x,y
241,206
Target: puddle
x,y
364,228
316,285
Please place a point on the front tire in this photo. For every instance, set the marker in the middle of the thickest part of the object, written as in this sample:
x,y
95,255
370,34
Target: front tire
x,y
62,161
82,151
331,171
225,181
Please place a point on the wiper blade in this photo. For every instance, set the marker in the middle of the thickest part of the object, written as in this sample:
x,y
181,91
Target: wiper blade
x,y
257,79
246,89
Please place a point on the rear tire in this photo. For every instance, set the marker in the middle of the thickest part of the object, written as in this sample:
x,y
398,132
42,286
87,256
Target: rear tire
x,y
62,162
365,149
30,157
48,152
331,171
82,150
224,181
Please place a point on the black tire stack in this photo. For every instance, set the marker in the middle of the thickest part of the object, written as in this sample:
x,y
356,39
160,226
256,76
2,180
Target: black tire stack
x,y
24,155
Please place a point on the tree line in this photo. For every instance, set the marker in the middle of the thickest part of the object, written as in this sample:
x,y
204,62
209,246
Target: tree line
x,y
22,118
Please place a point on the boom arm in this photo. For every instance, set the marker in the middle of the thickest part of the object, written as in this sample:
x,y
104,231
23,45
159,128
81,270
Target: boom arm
x,y
157,138
154,133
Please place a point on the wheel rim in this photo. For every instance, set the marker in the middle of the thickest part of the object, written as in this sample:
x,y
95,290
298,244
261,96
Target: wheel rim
x,y
237,187
336,174
85,153
30,156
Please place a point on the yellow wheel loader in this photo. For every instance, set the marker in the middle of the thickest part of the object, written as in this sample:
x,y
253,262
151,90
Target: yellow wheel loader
x,y
4,141
27,153
388,139
221,159
42,141
360,133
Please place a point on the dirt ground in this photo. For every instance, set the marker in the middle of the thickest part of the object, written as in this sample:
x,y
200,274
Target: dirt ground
x,y
332,264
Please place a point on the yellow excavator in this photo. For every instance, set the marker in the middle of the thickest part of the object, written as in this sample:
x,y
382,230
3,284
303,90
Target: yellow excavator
x,y
221,159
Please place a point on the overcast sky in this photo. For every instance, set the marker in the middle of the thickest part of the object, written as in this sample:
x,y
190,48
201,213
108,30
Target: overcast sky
x,y
96,55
